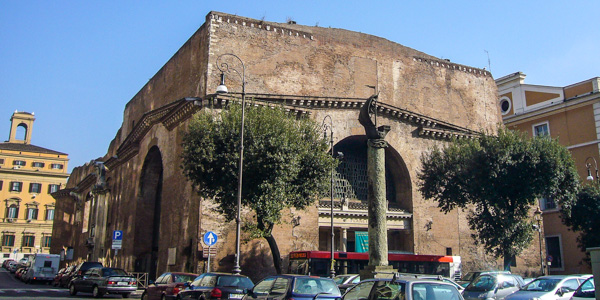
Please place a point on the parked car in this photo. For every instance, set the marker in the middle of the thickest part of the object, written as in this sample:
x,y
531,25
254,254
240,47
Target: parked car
x,y
81,268
493,286
552,287
297,287
586,291
12,266
5,262
167,285
100,281
346,281
56,280
403,287
67,275
213,286
20,272
42,267
470,276
459,287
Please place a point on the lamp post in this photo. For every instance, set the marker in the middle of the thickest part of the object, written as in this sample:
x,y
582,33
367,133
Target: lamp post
x,y
537,216
222,89
329,127
588,166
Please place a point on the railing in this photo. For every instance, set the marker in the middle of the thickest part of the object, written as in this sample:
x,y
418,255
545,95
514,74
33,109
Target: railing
x,y
141,279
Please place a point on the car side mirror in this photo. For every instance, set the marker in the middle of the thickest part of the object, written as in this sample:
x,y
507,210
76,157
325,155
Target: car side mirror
x,y
187,284
561,291
251,293
150,281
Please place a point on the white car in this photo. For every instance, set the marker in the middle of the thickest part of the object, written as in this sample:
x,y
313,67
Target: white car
x,y
586,290
552,287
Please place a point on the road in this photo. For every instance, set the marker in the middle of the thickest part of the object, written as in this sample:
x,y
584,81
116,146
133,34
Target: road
x,y
12,288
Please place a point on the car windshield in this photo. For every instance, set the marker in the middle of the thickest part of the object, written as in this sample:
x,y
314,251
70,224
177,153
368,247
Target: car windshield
x,y
315,285
183,277
114,272
235,281
482,284
541,285
341,278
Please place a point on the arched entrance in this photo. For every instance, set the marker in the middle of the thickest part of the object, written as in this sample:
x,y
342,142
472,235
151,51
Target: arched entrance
x,y
350,189
147,219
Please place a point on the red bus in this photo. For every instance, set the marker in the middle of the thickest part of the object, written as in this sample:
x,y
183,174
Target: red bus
x,y
317,263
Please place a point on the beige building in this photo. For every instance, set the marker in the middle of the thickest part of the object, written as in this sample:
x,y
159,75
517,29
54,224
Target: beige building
x,y
572,114
28,174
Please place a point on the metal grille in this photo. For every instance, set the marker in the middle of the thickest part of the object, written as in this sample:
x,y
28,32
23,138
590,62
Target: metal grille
x,y
350,178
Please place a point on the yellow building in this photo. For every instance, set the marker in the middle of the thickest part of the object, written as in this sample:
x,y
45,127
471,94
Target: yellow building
x,y
28,174
572,114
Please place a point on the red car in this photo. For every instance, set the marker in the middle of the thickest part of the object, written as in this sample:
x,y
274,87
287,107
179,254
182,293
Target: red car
x,y
167,285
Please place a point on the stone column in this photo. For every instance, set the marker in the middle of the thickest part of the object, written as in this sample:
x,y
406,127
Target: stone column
x,y
378,248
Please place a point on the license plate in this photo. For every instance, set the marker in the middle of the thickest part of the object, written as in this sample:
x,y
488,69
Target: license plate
x,y
236,296
122,283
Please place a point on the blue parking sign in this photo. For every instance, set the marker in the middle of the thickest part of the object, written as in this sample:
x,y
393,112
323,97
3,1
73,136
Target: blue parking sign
x,y
118,235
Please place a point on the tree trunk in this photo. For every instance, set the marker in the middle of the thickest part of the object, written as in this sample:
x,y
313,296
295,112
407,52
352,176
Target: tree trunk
x,y
507,261
267,229
275,252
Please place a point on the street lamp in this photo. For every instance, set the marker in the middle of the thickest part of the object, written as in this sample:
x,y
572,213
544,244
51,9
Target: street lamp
x,y
588,166
222,89
329,127
537,216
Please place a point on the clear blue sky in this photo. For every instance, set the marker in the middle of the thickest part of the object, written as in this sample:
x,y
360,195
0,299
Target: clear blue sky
x,y
75,64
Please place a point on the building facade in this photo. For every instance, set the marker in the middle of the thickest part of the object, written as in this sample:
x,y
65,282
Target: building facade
x,y
28,175
571,114
138,187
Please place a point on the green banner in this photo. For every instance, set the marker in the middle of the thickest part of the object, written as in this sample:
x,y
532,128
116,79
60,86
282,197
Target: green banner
x,y
362,241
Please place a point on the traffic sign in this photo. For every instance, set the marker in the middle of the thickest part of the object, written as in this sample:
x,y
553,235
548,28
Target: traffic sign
x,y
210,238
118,235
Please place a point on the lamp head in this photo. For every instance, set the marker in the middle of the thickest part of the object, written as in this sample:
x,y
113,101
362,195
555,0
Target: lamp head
x,y
222,88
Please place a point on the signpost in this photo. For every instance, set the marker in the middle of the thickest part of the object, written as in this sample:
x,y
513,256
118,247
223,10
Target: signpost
x,y
209,239
117,240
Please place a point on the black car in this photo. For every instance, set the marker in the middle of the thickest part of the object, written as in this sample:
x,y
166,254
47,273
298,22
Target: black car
x,y
100,281
217,286
297,287
402,287
80,269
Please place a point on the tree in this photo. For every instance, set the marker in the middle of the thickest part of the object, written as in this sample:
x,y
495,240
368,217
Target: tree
x,y
286,164
498,179
584,216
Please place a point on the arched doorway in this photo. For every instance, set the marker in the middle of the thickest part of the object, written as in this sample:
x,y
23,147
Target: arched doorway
x,y
351,189
147,219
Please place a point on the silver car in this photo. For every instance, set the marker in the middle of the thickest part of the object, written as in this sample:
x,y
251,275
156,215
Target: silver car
x,y
553,287
493,287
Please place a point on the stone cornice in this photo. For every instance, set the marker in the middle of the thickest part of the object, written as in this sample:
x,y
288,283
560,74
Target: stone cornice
x,y
358,209
452,66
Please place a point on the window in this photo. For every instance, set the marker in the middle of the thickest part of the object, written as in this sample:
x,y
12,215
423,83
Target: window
x,y
35,188
540,130
16,186
505,105
547,203
52,188
20,163
46,241
1,161
1,184
554,252
8,240
12,212
56,166
37,164
32,213
28,241
49,214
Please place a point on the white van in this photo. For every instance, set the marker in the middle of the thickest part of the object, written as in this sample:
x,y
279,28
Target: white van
x,y
43,267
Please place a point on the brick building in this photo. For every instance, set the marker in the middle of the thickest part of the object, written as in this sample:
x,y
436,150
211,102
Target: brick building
x,y
571,114
28,175
139,186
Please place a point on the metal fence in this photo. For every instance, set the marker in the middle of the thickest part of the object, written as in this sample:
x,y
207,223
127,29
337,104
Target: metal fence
x,y
141,278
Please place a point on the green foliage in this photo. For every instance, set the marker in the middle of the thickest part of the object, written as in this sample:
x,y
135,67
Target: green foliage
x,y
498,179
585,217
286,163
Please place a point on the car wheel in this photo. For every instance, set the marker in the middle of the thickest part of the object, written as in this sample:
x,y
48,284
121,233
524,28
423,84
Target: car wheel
x,y
96,292
72,290
125,295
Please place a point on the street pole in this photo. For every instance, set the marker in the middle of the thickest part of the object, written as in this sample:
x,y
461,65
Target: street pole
x,y
325,128
224,68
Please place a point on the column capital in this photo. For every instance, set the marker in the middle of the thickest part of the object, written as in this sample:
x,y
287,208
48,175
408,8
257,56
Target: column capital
x,y
377,143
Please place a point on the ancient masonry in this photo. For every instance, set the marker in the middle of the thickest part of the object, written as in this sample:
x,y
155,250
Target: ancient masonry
x,y
313,72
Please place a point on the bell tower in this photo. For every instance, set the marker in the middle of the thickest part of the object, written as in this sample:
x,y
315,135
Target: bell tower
x,y
22,125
